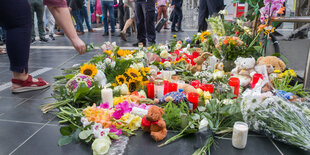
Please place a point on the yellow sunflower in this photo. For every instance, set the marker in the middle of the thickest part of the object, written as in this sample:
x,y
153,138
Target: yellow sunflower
x,y
204,35
145,70
132,85
121,52
121,79
133,73
89,70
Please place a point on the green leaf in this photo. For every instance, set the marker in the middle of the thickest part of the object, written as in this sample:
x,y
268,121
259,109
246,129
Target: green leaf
x,y
89,138
64,140
85,134
257,48
113,136
75,135
65,131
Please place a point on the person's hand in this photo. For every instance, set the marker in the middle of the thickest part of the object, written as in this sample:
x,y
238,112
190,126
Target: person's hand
x,y
79,45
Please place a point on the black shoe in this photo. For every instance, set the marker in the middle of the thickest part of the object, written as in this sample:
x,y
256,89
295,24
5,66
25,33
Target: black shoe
x,y
112,33
137,44
106,34
43,39
173,30
52,37
180,30
33,40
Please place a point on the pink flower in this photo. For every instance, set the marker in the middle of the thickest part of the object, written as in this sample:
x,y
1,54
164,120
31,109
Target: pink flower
x,y
104,105
117,132
121,109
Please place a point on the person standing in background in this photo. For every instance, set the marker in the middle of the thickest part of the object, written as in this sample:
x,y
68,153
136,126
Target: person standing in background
x,y
162,10
76,7
208,8
131,21
123,14
50,23
178,15
85,18
38,8
145,19
107,5
98,12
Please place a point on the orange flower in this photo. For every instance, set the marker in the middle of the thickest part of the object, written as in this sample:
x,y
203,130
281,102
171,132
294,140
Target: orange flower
x,y
261,27
281,11
225,42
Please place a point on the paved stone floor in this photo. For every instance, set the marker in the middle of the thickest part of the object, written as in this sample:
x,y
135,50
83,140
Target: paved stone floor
x,y
24,130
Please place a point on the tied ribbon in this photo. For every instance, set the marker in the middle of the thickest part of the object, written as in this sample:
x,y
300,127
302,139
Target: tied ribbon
x,y
147,123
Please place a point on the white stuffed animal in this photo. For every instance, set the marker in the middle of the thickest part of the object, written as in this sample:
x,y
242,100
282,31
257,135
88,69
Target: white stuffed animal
x,y
244,70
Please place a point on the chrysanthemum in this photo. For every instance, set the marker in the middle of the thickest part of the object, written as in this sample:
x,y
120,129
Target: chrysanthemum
x,y
89,70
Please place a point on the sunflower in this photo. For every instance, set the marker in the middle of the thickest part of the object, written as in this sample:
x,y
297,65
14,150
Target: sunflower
x,y
132,85
89,70
133,73
121,79
108,52
145,70
121,52
204,35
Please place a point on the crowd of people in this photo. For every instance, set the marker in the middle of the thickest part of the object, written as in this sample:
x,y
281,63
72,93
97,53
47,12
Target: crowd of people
x,y
17,28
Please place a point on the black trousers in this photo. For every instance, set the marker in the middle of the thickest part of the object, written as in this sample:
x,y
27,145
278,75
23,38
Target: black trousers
x,y
145,19
15,18
203,15
178,16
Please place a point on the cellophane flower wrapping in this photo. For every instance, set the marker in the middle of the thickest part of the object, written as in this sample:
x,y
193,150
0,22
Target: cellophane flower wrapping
x,y
277,118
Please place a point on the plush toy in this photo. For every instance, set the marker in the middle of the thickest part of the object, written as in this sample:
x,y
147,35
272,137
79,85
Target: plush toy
x,y
197,65
187,88
244,70
271,62
219,66
153,123
175,97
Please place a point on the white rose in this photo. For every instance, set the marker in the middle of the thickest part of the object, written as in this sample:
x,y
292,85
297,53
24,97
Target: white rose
x,y
167,64
140,65
164,54
124,89
101,78
140,55
178,46
218,75
101,145
135,66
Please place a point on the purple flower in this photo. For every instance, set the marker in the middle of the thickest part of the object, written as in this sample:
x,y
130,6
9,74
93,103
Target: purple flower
x,y
118,114
104,105
83,76
188,40
88,83
117,132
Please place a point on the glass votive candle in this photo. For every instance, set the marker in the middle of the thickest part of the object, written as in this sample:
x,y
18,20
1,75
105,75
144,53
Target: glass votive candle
x,y
194,99
173,87
150,90
240,135
208,87
255,79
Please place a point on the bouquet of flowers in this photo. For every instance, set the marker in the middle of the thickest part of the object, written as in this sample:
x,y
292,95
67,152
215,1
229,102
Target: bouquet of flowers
x,y
282,120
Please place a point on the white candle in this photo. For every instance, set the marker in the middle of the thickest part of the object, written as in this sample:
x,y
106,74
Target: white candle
x,y
240,135
107,96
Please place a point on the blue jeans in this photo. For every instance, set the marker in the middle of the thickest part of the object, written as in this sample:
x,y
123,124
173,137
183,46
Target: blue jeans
x,y
84,15
2,34
108,5
78,20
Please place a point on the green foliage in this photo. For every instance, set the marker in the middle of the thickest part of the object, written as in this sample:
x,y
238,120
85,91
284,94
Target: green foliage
x,y
173,113
119,69
64,140
285,85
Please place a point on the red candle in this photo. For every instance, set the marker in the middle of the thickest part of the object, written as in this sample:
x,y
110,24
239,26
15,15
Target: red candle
x,y
256,77
173,87
235,82
166,87
193,98
195,83
208,87
150,90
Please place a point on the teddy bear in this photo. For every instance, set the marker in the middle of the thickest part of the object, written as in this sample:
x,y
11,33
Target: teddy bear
x,y
244,70
197,67
152,122
271,62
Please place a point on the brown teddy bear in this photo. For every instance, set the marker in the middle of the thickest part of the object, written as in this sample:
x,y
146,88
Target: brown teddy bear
x,y
271,62
153,123
199,61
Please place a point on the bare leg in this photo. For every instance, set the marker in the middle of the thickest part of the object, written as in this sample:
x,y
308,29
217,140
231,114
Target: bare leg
x,y
127,24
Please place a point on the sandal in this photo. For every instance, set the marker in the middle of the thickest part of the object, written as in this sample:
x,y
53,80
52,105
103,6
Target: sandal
x,y
29,84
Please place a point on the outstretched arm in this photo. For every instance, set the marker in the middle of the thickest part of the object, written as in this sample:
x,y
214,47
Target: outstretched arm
x,y
63,18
